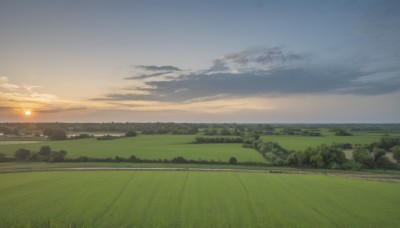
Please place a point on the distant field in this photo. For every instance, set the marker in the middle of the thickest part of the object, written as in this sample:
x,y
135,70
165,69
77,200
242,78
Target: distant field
x,y
302,142
146,147
194,199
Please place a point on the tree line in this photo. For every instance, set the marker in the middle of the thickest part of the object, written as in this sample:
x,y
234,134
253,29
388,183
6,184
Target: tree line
x,y
200,140
331,156
46,154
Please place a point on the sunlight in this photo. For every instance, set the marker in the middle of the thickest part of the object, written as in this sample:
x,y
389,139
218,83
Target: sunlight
x,y
27,112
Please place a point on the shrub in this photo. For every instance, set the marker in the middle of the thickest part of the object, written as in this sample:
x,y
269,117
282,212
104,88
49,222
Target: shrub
x,y
3,157
396,153
22,154
349,164
130,134
233,161
384,163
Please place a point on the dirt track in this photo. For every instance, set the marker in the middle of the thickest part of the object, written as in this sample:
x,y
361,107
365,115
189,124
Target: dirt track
x,y
364,176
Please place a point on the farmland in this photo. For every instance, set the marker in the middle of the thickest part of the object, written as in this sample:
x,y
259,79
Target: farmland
x,y
302,142
194,199
161,192
146,147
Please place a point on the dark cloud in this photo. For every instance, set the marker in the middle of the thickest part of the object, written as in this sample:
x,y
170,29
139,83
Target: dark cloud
x,y
144,76
270,57
277,82
125,97
158,68
217,66
266,71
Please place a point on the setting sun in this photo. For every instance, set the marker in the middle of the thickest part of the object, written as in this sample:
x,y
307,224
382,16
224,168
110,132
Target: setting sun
x,y
28,112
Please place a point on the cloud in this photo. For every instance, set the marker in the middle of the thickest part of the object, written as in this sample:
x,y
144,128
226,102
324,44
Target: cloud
x,y
144,76
157,68
217,104
5,109
60,110
259,58
6,85
266,71
16,98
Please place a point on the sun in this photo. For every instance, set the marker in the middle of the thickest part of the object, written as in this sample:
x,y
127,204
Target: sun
x,y
28,112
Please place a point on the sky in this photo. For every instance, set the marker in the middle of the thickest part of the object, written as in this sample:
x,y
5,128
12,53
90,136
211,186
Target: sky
x,y
200,61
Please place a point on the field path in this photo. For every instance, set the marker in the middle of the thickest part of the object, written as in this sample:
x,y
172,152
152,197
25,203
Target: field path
x,y
117,196
249,198
356,175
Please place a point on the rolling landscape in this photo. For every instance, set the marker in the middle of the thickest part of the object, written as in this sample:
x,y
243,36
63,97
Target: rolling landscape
x,y
175,113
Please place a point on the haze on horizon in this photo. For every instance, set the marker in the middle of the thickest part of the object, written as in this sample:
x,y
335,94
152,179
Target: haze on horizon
x,y
200,61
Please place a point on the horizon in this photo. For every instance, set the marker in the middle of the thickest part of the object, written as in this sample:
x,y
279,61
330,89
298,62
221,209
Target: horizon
x,y
266,123
261,62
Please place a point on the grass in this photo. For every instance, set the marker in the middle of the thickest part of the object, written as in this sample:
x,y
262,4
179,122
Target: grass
x,y
302,142
22,138
193,199
145,147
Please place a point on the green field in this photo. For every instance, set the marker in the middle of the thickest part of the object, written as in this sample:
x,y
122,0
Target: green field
x,y
145,147
302,142
194,199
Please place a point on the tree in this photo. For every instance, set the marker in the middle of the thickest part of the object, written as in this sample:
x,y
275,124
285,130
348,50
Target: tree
x,y
378,153
396,153
130,133
179,160
295,158
317,161
2,157
225,131
55,133
341,132
133,158
331,155
57,156
363,156
233,161
22,154
45,151
384,163
388,142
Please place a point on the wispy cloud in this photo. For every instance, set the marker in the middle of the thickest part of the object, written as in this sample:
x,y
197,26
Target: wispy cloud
x,y
144,76
157,68
16,98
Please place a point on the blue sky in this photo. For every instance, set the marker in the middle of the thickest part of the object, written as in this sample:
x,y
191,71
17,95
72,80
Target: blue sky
x,y
200,61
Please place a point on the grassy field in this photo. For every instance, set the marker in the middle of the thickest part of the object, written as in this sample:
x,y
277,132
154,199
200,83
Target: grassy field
x,y
145,147
194,199
302,142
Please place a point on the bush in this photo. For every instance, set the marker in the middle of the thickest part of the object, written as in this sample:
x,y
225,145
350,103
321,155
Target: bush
x,y
108,137
364,157
349,164
384,163
233,161
3,157
179,160
81,136
44,151
396,153
200,140
130,134
22,154
341,132
55,134
133,158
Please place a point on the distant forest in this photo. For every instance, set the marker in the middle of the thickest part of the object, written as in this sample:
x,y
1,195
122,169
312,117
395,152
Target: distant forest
x,y
194,128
